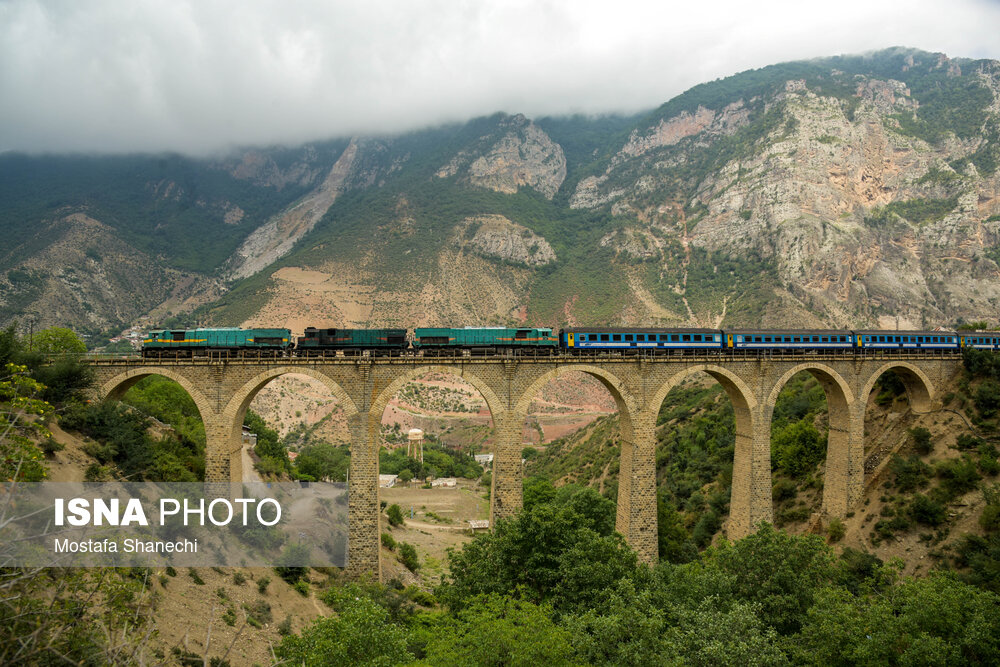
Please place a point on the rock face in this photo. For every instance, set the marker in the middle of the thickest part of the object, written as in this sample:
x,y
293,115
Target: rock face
x,y
524,156
275,239
497,237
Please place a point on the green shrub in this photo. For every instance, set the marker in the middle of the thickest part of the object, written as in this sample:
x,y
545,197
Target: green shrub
x,y
285,627
784,490
388,541
921,440
395,515
926,511
262,584
836,530
239,578
408,556
302,586
195,577
910,473
957,476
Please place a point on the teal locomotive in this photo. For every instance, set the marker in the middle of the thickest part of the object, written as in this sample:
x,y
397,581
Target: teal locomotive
x,y
484,340
186,343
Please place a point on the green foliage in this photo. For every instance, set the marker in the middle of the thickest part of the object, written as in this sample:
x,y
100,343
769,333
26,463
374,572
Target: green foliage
x,y
123,440
21,459
439,461
359,634
408,556
323,461
57,340
395,515
918,211
563,551
301,587
936,620
927,511
73,615
836,530
776,571
498,630
388,541
165,400
797,448
910,473
958,476
921,440
262,584
268,443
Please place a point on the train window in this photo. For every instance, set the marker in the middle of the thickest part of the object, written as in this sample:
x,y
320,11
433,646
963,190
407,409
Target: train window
x,y
697,338
616,338
628,338
767,339
640,338
604,337
178,335
686,338
673,338
664,338
521,334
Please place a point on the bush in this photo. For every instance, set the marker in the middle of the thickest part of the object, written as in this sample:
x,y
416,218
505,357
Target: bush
x,y
957,476
394,514
408,556
836,530
195,577
921,440
989,520
911,473
926,511
302,586
239,578
262,584
987,397
388,541
784,490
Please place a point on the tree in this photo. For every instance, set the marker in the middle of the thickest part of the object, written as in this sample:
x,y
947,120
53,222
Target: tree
x,y
405,475
20,457
497,630
360,634
57,340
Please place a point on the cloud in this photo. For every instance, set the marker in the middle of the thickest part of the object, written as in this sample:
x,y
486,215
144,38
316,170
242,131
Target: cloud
x,y
196,77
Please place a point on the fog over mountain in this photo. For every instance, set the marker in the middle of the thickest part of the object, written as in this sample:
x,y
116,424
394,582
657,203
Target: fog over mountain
x,y
192,77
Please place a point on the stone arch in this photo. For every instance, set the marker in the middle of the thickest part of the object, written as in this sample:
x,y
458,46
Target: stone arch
x,y
739,392
116,387
750,503
236,407
627,404
844,470
493,402
919,388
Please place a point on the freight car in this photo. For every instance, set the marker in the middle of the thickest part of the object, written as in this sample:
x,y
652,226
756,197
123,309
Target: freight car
x,y
381,342
483,340
186,343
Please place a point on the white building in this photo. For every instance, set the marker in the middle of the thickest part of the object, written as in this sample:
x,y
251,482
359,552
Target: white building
x,y
484,459
445,482
387,481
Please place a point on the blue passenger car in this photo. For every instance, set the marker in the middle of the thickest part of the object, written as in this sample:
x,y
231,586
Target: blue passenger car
x,y
907,340
980,340
583,339
792,339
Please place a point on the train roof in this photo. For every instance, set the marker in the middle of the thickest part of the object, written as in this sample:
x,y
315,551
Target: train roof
x,y
791,332
904,332
635,330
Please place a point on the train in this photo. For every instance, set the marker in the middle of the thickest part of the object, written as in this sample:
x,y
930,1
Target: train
x,y
541,341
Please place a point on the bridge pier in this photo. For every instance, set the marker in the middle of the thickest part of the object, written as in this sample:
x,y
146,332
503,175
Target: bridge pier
x,y
636,515
506,488
751,501
364,554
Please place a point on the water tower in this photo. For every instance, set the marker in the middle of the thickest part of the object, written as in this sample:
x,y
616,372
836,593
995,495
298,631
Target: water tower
x,y
415,444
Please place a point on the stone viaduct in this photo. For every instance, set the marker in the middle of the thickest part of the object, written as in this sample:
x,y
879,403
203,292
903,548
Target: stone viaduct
x,y
222,391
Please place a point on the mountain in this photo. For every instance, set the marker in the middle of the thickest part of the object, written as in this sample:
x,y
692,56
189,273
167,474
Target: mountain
x,y
848,191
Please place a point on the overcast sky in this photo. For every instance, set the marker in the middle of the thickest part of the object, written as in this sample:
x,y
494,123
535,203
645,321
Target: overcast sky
x,y
198,76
